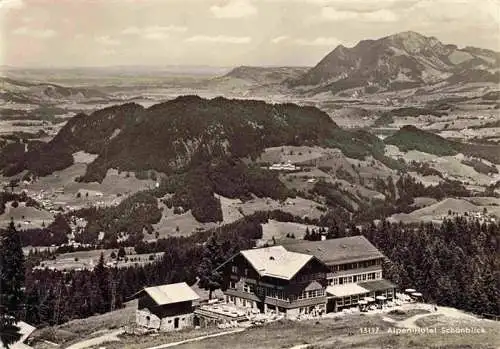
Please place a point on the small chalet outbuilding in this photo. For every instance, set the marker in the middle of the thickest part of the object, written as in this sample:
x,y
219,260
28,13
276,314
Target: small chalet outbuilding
x,y
166,307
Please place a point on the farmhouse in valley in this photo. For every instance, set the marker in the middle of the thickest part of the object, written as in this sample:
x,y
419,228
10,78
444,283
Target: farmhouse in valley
x,y
284,166
166,307
309,277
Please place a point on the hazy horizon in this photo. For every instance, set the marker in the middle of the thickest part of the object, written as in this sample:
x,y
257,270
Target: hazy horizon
x,y
49,34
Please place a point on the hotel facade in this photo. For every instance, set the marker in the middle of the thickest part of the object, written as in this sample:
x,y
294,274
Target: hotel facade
x,y
304,277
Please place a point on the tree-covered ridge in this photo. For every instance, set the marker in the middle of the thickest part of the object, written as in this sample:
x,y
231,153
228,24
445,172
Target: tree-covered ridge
x,y
412,138
131,218
182,133
172,135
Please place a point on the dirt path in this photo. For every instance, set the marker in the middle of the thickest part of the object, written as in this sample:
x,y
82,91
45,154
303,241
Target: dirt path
x,y
445,311
169,345
109,337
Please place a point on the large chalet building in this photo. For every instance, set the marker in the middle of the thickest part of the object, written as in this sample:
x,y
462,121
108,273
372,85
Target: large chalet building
x,y
306,276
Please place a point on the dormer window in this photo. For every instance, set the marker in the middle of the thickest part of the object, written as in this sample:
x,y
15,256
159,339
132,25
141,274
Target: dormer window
x,y
234,269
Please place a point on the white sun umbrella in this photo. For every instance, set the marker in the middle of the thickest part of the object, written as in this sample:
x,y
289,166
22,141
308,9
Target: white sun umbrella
x,y
416,294
369,299
410,290
381,298
363,302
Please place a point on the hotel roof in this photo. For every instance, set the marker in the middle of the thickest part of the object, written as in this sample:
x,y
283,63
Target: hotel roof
x,y
276,261
337,251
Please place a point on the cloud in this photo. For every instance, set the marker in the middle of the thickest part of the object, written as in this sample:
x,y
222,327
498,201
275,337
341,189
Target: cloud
x,y
107,41
12,4
356,5
279,39
35,33
234,9
154,32
320,41
220,39
460,12
332,14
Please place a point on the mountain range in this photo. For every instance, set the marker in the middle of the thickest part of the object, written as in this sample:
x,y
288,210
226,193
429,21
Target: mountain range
x,y
400,61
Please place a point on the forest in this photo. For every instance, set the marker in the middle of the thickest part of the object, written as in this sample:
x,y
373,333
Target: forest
x,y
455,264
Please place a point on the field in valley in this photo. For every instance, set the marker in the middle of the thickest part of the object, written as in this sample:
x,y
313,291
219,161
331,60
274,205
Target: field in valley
x,y
88,259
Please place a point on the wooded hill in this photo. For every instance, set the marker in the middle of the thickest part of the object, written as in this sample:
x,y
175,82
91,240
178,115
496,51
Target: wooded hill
x,y
413,138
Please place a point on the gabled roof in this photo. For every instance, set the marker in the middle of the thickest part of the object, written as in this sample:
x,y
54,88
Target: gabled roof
x,y
337,251
171,293
276,261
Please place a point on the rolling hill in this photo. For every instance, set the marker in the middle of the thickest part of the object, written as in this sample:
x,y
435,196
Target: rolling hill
x,y
18,91
265,75
399,61
256,81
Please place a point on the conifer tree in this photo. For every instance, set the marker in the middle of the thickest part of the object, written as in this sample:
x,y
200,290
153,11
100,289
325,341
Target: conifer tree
x,y
212,257
11,283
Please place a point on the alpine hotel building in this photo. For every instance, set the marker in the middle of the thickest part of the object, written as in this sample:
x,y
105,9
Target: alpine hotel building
x,y
306,276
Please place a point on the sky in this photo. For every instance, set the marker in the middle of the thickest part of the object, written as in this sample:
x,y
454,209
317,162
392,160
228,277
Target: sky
x,y
225,33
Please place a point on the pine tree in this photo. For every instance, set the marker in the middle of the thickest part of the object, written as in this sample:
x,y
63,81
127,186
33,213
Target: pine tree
x,y
102,295
11,283
121,252
212,257
307,236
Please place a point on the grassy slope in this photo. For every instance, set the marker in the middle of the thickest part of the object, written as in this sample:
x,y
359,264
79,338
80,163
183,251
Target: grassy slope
x,y
339,333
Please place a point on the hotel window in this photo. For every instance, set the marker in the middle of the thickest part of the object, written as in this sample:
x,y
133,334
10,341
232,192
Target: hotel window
x,y
349,280
354,278
335,281
232,284
302,295
371,276
261,291
234,269
246,272
248,288
364,277
378,275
